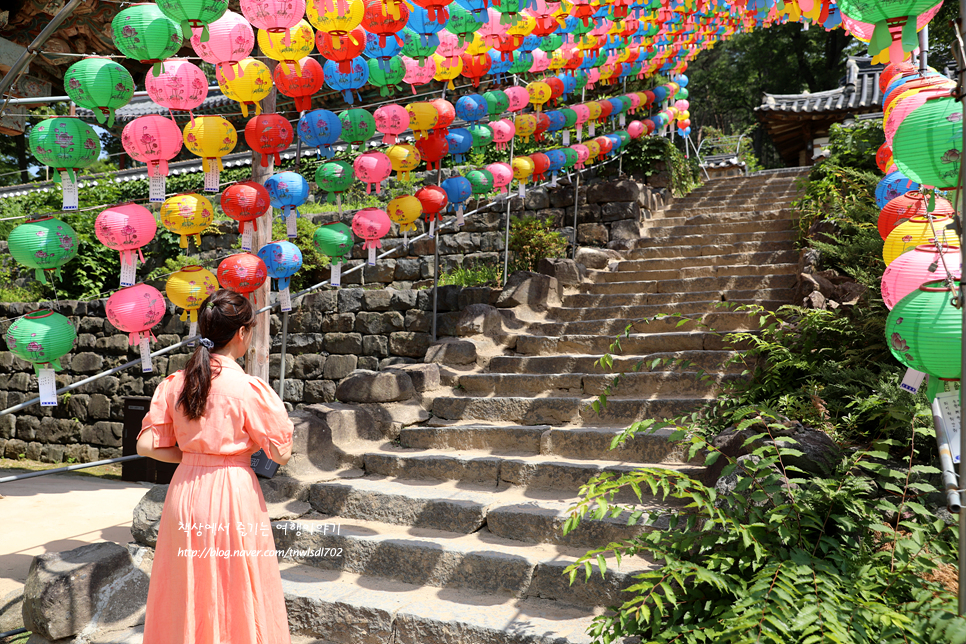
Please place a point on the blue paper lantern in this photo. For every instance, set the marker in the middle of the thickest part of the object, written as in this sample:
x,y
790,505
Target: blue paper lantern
x,y
460,141
320,128
891,186
355,79
471,107
282,259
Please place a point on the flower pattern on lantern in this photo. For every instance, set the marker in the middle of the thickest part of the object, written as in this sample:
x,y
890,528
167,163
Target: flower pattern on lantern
x,y
268,135
210,137
243,273
232,40
372,168
300,81
126,228
252,83
371,224
44,245
187,214
100,85
187,289
392,120
41,337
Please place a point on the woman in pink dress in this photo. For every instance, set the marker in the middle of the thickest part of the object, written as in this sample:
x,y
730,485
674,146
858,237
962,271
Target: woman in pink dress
x,y
215,577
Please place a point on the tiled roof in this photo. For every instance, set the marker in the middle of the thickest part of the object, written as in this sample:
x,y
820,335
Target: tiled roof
x,y
859,92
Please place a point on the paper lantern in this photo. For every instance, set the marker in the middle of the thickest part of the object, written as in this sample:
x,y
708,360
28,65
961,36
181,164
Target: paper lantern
x,y
300,81
334,240
244,202
459,141
502,175
356,79
916,232
135,310
384,24
386,76
144,33
210,137
405,211
181,86
392,120
65,144
422,118
524,125
482,135
418,73
372,168
908,205
44,245
153,140
358,126
404,158
891,186
287,46
925,331
187,289
334,178
432,149
480,180
288,191
541,163
928,144
320,128
243,273
277,17
503,132
100,85
41,338
923,264
268,135
282,260
126,228
231,40
458,190
371,224
252,83
187,214
445,115
342,49
433,201
193,14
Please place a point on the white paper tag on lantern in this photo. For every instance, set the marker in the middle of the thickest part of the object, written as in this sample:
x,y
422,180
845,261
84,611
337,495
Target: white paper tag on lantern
x,y
70,192
248,237
128,273
211,179
285,300
48,388
521,190
146,365
432,229
459,216
622,119
335,273
593,129
290,228
156,187
372,256
192,331
912,381
566,138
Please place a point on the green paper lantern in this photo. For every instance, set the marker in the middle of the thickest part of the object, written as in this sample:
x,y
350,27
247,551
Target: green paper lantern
x,y
385,79
41,337
335,241
65,144
929,142
551,43
414,47
44,245
496,102
194,14
101,85
570,117
571,155
481,180
144,33
334,177
482,135
925,331
358,126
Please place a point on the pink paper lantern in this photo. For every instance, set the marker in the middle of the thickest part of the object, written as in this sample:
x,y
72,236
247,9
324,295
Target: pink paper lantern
x,y
274,16
583,153
503,131
635,129
153,140
910,270
231,41
371,224
502,175
182,86
391,120
519,98
372,168
135,310
126,228
418,74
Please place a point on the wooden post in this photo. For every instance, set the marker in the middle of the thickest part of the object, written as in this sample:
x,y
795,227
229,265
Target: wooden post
x,y
256,360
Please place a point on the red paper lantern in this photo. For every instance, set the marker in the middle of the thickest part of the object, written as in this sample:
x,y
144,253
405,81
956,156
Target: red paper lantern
x,y
911,204
432,149
242,273
541,163
246,201
341,49
268,134
446,115
475,67
300,83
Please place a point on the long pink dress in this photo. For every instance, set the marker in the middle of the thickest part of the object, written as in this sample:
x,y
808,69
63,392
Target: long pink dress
x,y
215,577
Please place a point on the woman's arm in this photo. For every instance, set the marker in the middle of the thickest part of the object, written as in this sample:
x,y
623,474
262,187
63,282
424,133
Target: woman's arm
x,y
164,454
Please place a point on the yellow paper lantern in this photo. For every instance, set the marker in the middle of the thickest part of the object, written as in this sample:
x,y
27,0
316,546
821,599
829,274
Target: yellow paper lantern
x,y
447,68
335,17
210,137
188,288
522,168
525,125
250,86
405,211
301,45
187,214
422,118
915,232
404,158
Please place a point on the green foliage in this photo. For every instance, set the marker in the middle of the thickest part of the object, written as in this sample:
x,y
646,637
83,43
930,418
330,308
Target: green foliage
x,y
533,239
479,275
854,558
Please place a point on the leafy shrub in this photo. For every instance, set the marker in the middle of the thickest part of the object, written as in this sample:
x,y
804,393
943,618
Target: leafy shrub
x,y
533,239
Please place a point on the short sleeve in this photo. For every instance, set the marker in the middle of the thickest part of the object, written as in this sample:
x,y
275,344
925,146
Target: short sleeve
x,y
159,417
266,419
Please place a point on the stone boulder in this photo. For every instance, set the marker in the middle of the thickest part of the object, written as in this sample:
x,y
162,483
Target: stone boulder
x,y
362,386
565,271
478,319
147,516
88,589
452,352
597,258
533,290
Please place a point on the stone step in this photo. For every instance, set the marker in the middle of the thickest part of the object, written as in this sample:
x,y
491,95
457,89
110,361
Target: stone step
x,y
649,385
461,508
673,230
740,247
584,300
345,608
707,360
478,562
716,270
560,410
723,322
634,344
691,284
774,257
712,237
